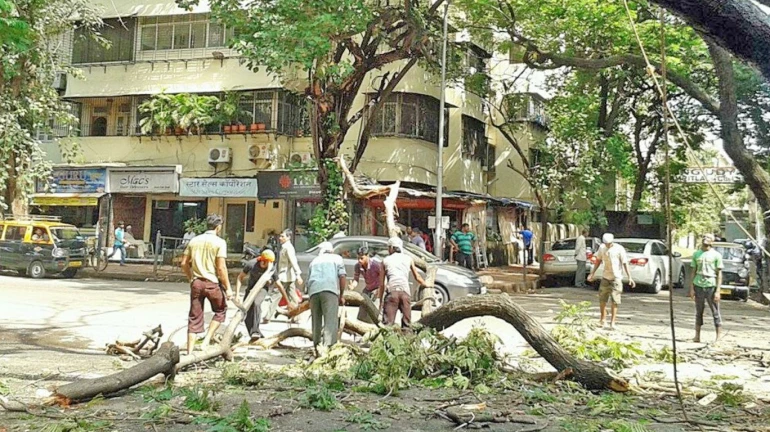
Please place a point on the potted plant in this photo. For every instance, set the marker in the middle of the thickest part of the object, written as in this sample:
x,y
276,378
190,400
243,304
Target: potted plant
x,y
253,128
261,127
156,114
227,110
241,127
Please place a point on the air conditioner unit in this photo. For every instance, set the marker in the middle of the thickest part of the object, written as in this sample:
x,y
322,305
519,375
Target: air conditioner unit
x,y
300,158
260,152
60,81
220,155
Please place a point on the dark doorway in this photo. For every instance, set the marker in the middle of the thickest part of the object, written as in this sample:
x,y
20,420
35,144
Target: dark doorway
x,y
235,224
169,216
99,126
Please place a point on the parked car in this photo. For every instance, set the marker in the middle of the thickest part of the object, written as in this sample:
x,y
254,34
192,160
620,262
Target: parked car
x,y
559,261
736,274
648,263
36,246
452,281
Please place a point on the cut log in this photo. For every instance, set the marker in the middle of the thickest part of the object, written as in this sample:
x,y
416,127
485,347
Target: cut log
x,y
163,362
352,298
590,375
274,341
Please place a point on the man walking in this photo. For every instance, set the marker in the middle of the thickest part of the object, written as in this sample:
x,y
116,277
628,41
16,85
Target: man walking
x,y
326,282
704,288
120,243
289,272
371,270
204,264
580,259
527,236
416,239
396,271
464,241
615,261
254,269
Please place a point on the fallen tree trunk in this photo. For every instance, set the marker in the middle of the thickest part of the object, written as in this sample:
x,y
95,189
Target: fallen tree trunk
x,y
352,298
163,362
590,375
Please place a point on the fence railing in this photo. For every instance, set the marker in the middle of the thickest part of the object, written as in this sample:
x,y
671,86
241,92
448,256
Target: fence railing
x,y
167,250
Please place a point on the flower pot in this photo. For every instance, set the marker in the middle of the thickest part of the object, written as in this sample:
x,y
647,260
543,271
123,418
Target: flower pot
x,y
178,131
228,129
261,126
242,128
253,128
169,131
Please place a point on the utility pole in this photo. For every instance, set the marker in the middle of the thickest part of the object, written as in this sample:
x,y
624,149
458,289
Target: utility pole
x,y
439,233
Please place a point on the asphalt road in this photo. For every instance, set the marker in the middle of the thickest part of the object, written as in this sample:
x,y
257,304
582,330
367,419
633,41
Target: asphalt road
x,y
58,324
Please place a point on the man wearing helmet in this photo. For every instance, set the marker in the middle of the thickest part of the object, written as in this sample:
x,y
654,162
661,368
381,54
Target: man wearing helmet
x,y
254,269
396,270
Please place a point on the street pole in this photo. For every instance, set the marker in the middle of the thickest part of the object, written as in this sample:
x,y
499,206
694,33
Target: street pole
x,y
439,233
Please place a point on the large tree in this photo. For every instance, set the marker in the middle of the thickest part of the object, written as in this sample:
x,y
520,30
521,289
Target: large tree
x,y
334,47
31,54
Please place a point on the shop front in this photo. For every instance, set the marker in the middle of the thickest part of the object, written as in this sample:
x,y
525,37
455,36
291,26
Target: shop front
x,y
301,193
75,195
246,220
133,190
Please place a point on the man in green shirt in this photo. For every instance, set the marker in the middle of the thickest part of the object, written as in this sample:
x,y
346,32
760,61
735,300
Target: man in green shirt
x,y
707,264
464,241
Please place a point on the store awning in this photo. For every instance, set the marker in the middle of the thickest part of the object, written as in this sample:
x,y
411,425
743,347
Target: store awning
x,y
66,200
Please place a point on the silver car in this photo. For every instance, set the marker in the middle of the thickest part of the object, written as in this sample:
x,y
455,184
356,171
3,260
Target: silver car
x,y
559,261
452,281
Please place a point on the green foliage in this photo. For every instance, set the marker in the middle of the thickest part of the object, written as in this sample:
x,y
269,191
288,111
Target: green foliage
x,y
573,334
75,425
240,420
732,394
15,34
366,421
609,403
583,425
156,394
199,398
4,390
198,225
332,215
319,396
159,412
183,110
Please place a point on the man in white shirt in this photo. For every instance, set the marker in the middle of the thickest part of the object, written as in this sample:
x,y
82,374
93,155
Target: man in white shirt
x,y
615,261
580,258
289,272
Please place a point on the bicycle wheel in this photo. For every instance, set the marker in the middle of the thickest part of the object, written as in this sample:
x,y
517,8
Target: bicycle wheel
x,y
101,260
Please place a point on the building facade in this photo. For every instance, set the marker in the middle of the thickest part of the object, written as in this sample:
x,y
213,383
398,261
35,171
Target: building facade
x,y
157,181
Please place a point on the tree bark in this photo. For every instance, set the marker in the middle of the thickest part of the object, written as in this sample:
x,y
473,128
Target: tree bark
x,y
590,375
739,26
163,362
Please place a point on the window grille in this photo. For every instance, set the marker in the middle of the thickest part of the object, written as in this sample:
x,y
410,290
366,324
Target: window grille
x,y
409,115
120,36
181,32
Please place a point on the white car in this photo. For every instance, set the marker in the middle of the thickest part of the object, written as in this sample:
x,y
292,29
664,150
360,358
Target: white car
x,y
559,261
648,263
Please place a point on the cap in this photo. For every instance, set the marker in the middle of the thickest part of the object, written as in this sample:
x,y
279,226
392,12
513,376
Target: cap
x,y
708,239
395,242
325,247
608,238
267,255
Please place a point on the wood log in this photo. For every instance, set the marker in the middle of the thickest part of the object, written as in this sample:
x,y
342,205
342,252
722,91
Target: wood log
x,y
352,298
163,362
590,375
274,341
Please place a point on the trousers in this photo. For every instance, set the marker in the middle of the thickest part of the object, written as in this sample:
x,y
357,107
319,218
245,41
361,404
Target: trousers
x,y
324,307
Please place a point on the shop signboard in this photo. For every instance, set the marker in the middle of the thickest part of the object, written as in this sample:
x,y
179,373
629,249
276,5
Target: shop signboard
x,y
67,201
724,175
143,181
75,180
218,187
285,184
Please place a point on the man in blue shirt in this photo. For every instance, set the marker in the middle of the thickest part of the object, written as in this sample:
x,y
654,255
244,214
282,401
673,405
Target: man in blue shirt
x,y
527,236
325,285
120,243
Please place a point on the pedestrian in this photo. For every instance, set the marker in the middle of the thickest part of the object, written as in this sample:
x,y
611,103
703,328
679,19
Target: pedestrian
x,y
342,232
428,241
396,268
289,273
615,261
580,259
253,269
326,282
416,238
707,263
371,270
119,244
204,262
464,241
527,236
189,235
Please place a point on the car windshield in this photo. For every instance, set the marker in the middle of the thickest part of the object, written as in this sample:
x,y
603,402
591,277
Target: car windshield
x,y
65,233
420,253
568,244
730,253
633,247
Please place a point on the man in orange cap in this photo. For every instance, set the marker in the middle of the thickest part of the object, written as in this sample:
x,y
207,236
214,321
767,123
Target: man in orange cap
x,y
254,269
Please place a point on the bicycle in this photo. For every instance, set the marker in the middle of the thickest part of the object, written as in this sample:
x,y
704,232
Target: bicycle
x,y
96,257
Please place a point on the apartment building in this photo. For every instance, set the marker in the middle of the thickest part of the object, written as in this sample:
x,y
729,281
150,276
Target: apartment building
x,y
157,181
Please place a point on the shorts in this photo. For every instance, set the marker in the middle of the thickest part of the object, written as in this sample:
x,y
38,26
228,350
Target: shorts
x,y
201,290
610,290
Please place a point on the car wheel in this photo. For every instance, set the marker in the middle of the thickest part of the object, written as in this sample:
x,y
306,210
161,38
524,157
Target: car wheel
x,y
657,284
36,270
680,282
440,296
69,273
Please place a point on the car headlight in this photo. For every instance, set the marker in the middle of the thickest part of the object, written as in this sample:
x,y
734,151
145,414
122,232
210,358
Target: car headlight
x,y
60,253
743,273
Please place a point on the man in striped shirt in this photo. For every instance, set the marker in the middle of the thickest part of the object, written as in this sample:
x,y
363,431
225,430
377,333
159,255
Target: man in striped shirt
x,y
464,242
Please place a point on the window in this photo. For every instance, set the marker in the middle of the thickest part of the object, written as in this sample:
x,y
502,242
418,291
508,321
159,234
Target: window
x,y
349,249
119,35
40,234
474,138
15,233
182,32
408,115
290,111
